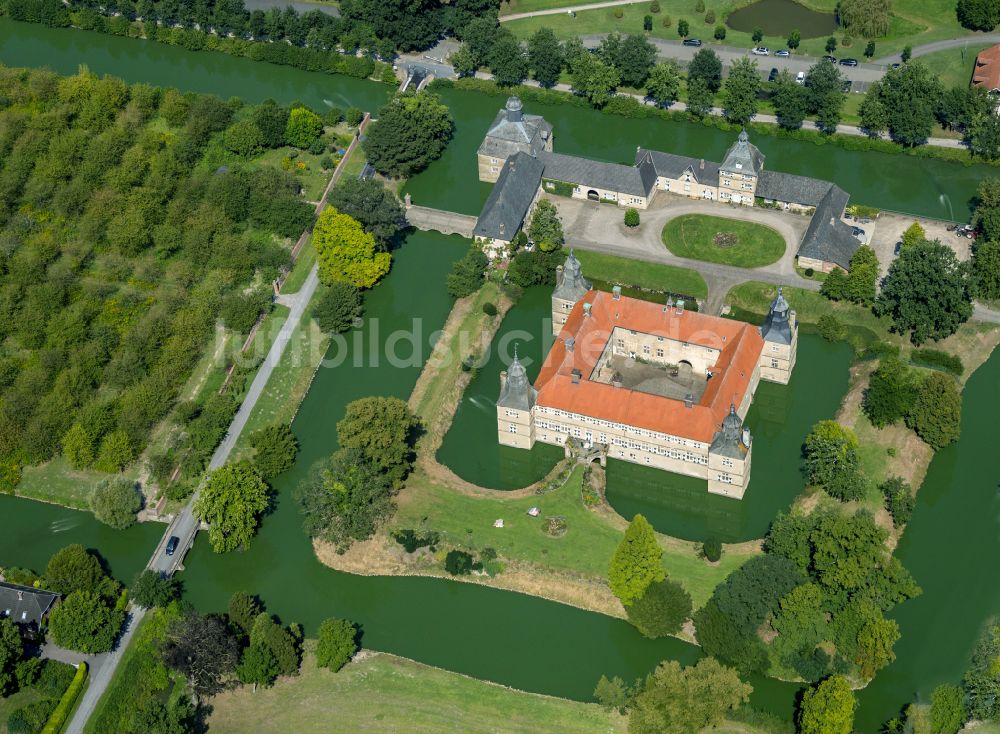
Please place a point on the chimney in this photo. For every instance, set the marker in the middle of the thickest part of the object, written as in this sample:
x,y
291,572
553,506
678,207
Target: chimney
x,y
701,164
616,292
689,401
680,308
586,309
503,379
559,274
575,375
570,342
833,221
502,228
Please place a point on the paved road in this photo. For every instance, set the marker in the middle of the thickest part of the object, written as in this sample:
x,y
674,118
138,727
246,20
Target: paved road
x,y
929,48
569,9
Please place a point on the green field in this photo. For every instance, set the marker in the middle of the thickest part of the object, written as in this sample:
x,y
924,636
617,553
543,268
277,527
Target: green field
x,y
384,693
586,547
655,276
756,297
914,22
953,66
695,236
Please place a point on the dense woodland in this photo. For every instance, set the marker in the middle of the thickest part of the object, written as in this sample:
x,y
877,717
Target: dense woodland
x,y
127,228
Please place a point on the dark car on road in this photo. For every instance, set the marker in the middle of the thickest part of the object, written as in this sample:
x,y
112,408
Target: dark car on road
x,y
773,75
848,62
172,544
692,41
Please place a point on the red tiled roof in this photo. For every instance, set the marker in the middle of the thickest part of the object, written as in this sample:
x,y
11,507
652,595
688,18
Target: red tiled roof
x,y
740,345
987,71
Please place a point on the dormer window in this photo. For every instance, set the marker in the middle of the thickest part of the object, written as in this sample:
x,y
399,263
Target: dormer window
x,y
739,166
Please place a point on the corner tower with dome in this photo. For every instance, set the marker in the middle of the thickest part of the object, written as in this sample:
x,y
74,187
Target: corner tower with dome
x,y
649,383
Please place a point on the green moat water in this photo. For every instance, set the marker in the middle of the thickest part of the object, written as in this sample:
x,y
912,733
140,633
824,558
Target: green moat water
x,y
513,638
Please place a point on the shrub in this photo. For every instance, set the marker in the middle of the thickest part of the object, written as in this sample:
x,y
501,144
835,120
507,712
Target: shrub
x,y
831,328
936,413
353,116
712,548
666,22
66,703
338,306
654,7
710,17
153,589
458,563
490,309
31,719
411,541
647,22
619,13
809,272
699,7
54,679
720,33
338,641
661,610
275,449
939,360
115,502
631,217
899,500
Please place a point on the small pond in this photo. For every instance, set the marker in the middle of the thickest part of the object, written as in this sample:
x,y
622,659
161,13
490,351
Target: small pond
x,y
781,17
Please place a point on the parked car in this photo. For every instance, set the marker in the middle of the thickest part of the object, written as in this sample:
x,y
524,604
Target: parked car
x,y
692,41
859,233
897,248
783,52
895,65
773,75
831,59
800,78
172,544
848,62
760,51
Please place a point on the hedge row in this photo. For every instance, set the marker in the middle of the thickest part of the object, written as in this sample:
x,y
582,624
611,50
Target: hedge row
x,y
937,359
68,700
628,106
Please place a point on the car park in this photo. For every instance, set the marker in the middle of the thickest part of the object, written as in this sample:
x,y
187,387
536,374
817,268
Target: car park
x,y
783,52
692,41
760,51
848,62
773,75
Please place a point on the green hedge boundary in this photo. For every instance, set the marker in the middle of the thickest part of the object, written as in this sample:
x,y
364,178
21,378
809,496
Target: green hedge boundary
x,y
58,719
627,106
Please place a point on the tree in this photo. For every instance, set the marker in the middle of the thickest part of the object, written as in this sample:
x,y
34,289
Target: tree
x,y
115,502
707,66
978,15
337,643
383,430
720,33
682,28
757,36
986,269
739,96
202,649
78,447
346,252
353,116
116,453
462,61
303,127
633,56
873,113
410,131
270,120
545,56
154,589
257,666
927,292
594,79
632,217
831,460
899,500
986,219
936,415
275,449
981,681
11,652
700,98
613,694
874,645
661,610
636,562
828,707
479,35
244,138
283,643
866,18
373,205
825,87
231,502
686,700
243,610
984,136
913,235
663,84
869,49
74,568
466,274
345,499
947,709
508,61
910,97
862,277
831,44
906,54
85,622
794,39
790,101
546,229
891,392
338,305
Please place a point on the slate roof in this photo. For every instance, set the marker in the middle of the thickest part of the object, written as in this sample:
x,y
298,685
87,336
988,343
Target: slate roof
x,y
743,157
508,202
517,393
512,131
571,285
630,180
828,238
673,166
789,187
729,440
25,604
776,327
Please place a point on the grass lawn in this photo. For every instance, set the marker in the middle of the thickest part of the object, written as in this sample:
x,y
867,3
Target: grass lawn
x,y
10,704
756,297
56,481
953,66
694,235
914,22
384,693
300,271
625,271
587,546
304,165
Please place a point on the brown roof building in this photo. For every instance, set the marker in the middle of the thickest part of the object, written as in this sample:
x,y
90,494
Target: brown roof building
x,y
987,71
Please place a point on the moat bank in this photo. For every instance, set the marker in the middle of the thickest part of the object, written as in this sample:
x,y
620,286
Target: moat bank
x,y
922,186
